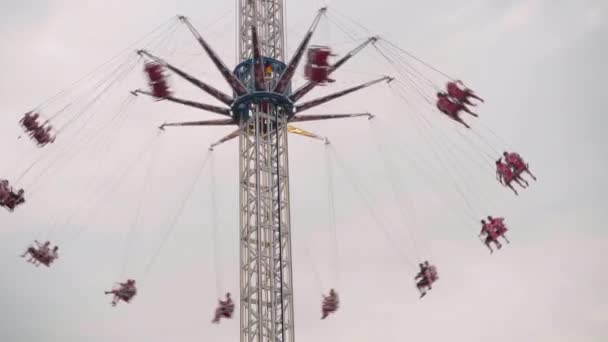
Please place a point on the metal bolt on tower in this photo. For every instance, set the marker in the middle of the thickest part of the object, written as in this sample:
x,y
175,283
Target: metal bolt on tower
x,y
262,106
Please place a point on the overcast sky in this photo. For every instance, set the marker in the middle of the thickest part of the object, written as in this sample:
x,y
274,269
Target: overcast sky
x,y
539,64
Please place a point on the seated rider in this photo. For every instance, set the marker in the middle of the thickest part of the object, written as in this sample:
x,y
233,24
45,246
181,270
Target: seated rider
x,y
505,176
5,191
29,121
42,135
8,197
517,164
431,272
317,67
499,225
41,254
319,55
268,70
451,109
225,309
461,95
154,71
427,276
330,304
49,256
34,252
491,235
125,292
160,90
13,199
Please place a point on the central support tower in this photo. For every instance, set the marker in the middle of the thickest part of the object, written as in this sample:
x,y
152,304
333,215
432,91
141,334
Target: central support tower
x,y
265,233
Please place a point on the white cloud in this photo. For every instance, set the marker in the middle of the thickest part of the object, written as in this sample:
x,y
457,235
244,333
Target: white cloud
x,y
595,16
519,15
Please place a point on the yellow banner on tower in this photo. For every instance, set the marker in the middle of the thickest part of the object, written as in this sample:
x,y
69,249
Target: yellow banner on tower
x,y
295,130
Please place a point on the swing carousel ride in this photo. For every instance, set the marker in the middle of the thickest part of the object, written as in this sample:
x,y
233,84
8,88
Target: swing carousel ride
x,y
262,106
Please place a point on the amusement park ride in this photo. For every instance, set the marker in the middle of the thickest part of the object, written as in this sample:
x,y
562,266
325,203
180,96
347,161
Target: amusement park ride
x,y
263,108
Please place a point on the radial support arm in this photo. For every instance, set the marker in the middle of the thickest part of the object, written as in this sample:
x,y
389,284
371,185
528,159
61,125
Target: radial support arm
x,y
299,131
230,136
302,118
218,94
303,90
313,103
258,67
286,76
236,85
221,122
203,106
353,52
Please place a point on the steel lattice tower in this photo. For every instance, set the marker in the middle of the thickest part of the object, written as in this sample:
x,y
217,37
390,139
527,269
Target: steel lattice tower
x,y
262,106
265,230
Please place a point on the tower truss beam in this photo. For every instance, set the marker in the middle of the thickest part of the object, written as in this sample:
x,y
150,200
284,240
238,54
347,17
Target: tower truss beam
x,y
268,18
266,298
266,276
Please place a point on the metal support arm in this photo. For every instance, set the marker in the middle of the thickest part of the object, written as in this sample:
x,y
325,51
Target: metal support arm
x,y
228,137
313,103
199,105
221,122
258,67
236,85
286,76
303,118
